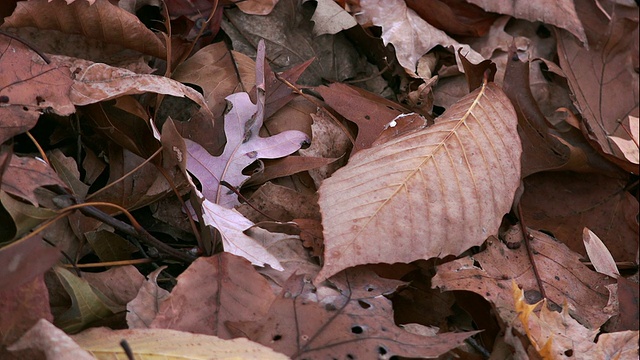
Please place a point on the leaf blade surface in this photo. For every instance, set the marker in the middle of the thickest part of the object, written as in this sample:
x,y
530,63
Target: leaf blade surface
x,y
429,193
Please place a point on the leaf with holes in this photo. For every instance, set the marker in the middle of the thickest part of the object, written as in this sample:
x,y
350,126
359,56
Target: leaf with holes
x,y
428,194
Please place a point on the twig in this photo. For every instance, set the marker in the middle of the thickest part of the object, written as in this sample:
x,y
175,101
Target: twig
x,y
68,202
527,238
25,43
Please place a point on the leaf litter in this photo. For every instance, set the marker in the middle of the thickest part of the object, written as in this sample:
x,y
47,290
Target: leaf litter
x,y
318,180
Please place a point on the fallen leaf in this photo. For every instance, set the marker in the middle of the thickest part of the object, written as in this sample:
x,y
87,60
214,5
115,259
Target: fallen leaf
x,y
232,225
563,276
213,69
24,260
212,291
629,147
95,82
330,18
101,21
29,86
53,342
143,309
454,16
411,36
428,194
357,323
25,174
22,305
602,78
119,284
598,254
244,146
564,203
558,336
559,13
87,304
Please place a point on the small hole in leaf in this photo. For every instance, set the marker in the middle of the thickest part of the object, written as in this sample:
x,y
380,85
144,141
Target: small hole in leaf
x,y
349,356
330,307
4,99
367,117
382,350
370,288
357,329
569,353
477,264
363,304
25,108
277,337
438,110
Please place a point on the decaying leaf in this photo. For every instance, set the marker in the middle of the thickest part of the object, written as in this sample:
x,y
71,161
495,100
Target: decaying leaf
x,y
428,194
558,336
411,36
356,323
563,276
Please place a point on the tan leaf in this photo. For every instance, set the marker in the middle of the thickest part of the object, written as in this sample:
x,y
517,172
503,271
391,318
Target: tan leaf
x,y
599,254
559,13
428,194
556,335
411,36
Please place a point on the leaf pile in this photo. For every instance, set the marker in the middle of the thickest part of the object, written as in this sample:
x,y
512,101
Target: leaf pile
x,y
273,179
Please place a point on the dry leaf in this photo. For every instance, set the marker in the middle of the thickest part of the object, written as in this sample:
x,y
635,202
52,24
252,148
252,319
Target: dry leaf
x,y
558,336
143,309
559,13
53,342
563,276
428,194
210,292
330,18
599,254
101,22
411,36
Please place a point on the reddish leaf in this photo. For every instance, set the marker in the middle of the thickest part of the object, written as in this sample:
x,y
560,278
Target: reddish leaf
x,y
356,323
21,307
212,291
454,16
24,175
28,86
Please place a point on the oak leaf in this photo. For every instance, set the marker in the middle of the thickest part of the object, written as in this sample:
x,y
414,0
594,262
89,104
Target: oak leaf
x,y
411,36
428,194
242,124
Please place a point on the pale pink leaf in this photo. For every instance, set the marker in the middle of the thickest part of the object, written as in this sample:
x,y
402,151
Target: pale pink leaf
x,y
242,124
599,255
232,225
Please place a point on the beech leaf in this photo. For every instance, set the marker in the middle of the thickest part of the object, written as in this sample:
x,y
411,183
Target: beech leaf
x,y
428,194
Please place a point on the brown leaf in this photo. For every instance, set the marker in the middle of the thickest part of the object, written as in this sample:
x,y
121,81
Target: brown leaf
x,y
25,174
454,16
603,78
558,336
143,309
280,203
28,86
565,203
563,276
53,342
411,36
210,292
428,194
102,21
21,307
559,13
213,69
119,284
356,323
599,254
369,111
